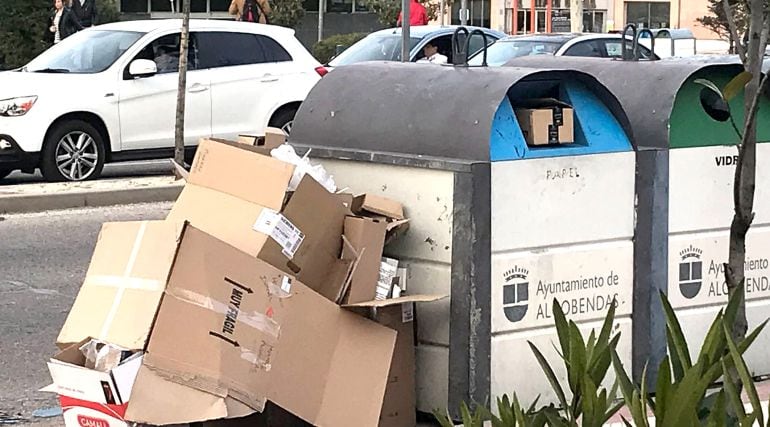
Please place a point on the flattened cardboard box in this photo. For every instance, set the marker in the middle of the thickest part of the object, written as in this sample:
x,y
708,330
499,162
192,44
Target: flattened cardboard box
x,y
124,284
237,194
232,331
240,328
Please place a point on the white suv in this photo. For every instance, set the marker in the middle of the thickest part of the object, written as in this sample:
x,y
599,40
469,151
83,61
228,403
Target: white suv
x,y
108,94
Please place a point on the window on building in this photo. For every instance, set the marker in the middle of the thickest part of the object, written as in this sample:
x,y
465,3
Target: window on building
x,y
648,14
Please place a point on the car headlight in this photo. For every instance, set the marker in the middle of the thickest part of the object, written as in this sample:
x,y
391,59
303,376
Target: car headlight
x,y
16,107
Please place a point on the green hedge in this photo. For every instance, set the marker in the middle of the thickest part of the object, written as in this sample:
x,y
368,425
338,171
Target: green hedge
x,y
326,48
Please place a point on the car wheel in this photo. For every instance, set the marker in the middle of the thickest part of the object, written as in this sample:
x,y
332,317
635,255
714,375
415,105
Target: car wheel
x,y
284,120
73,151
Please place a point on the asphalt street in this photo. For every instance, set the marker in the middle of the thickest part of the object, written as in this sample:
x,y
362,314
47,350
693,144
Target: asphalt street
x,y
43,260
115,170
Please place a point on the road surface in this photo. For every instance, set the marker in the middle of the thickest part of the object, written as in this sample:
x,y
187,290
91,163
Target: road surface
x,y
115,170
43,260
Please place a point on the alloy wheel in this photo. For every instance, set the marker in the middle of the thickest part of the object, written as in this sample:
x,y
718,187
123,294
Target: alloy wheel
x,y
77,156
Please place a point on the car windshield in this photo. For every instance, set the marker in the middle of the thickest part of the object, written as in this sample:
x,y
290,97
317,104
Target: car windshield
x,y
86,52
374,48
503,51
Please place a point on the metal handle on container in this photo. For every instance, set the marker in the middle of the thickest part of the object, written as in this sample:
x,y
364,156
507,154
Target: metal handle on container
x,y
468,46
459,51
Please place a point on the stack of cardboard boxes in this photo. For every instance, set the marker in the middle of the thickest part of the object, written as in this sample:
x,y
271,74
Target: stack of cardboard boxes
x,y
246,294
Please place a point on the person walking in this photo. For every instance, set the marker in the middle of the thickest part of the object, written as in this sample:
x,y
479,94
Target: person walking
x,y
250,10
62,22
85,10
417,14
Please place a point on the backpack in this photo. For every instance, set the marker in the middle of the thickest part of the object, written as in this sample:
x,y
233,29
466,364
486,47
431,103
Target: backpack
x,y
251,11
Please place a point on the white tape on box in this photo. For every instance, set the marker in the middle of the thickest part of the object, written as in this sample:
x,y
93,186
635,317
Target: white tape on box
x,y
280,229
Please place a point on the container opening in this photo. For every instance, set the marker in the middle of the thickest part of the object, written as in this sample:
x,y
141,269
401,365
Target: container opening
x,y
714,105
554,115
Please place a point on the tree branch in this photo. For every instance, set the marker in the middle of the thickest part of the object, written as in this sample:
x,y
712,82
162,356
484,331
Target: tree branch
x,y
734,30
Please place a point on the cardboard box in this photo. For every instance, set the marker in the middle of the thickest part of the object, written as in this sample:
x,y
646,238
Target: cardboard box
x,y
274,137
237,195
232,332
371,204
367,236
123,285
399,404
546,121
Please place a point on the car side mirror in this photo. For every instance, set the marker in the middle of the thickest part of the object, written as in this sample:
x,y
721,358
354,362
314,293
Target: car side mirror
x,y
142,68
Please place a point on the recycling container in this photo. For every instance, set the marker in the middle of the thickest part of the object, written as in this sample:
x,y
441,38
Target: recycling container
x,y
691,144
503,228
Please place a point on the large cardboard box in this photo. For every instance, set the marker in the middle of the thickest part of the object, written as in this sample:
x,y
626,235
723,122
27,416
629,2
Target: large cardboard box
x,y
232,332
546,121
399,404
237,195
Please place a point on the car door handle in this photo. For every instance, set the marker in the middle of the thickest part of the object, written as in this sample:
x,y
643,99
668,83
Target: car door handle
x,y
267,78
197,87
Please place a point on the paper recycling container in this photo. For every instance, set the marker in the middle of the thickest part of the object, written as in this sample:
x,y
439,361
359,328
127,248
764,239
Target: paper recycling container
x,y
691,148
502,227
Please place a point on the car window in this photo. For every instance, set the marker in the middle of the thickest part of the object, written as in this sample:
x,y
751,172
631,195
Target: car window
x,y
589,48
503,51
614,49
477,43
225,49
273,50
87,52
374,48
164,51
444,45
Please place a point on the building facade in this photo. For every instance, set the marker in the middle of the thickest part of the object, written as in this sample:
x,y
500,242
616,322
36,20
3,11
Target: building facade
x,y
599,16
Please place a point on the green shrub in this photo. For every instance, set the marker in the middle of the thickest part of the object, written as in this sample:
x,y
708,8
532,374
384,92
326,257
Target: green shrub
x,y
286,13
107,12
23,26
325,50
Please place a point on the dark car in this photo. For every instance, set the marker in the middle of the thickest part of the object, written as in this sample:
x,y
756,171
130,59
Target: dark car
x,y
385,45
557,44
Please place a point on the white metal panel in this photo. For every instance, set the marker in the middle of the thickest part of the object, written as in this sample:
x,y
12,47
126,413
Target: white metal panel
x,y
697,287
431,279
515,369
562,200
584,279
701,188
432,378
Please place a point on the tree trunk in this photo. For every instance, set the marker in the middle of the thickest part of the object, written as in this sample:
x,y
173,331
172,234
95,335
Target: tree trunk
x,y
745,171
182,88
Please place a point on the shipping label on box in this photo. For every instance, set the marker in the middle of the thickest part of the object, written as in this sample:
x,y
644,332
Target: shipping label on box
x,y
280,229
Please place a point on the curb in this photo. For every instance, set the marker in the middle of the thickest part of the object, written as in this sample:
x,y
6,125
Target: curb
x,y
13,204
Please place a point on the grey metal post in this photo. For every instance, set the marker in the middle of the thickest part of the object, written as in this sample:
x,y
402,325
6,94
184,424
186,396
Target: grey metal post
x,y
405,30
464,12
441,11
321,4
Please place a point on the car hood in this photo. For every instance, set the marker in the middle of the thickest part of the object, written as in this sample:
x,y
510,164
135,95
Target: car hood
x,y
20,83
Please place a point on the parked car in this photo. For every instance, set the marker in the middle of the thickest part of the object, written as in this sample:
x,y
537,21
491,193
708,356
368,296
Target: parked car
x,y
385,45
109,93
557,44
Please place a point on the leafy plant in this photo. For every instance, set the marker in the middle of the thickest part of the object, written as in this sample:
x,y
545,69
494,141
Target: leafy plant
x,y
587,364
325,50
107,12
680,393
286,13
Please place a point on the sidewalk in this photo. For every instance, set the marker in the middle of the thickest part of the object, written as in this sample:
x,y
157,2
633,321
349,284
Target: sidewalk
x,y
23,198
